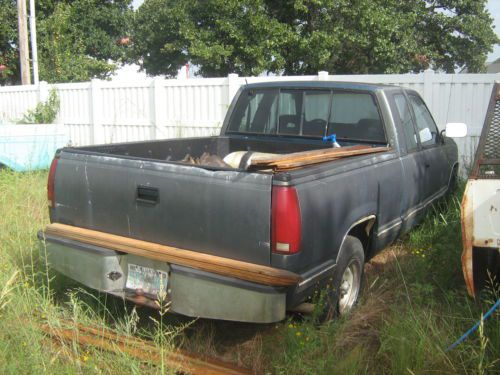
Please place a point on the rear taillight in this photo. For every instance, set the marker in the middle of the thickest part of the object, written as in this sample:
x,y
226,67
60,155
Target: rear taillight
x,y
285,220
50,182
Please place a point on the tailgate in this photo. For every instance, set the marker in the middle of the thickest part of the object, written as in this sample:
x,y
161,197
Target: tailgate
x,y
224,213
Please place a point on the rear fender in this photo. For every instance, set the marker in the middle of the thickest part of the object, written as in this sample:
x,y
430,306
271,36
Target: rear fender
x,y
360,228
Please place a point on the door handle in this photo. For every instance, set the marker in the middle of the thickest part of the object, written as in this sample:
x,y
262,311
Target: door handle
x,y
147,194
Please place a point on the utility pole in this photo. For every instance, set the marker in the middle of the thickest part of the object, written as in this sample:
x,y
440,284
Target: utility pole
x,y
23,42
34,48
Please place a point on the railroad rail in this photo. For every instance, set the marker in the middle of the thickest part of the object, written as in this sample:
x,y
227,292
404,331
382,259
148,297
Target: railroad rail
x,y
106,339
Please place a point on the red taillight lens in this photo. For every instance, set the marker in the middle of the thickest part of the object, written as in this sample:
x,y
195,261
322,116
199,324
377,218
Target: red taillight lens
x,y
50,182
285,220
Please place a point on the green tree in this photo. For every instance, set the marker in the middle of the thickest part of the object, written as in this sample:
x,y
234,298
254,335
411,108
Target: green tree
x,y
9,57
304,36
219,36
77,39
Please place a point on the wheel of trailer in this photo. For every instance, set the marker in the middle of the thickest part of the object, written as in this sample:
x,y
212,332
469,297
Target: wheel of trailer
x,y
343,291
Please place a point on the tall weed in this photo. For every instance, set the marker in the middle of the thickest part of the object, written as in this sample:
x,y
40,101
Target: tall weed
x,y
32,295
417,293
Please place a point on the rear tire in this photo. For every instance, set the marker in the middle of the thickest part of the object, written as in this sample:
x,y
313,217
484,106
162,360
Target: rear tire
x,y
341,296
453,183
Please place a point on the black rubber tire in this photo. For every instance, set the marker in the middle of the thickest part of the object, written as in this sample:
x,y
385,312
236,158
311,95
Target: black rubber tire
x,y
453,183
351,253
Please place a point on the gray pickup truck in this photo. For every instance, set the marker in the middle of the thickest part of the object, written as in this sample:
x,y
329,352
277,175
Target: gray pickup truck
x,y
316,224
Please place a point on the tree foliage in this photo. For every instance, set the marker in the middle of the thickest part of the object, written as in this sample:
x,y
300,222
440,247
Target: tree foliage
x,y
249,37
8,38
219,36
77,39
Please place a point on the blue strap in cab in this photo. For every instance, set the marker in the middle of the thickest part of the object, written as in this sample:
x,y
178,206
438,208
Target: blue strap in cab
x,y
331,138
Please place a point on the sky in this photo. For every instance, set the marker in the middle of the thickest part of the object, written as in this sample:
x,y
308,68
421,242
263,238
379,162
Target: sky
x,y
494,8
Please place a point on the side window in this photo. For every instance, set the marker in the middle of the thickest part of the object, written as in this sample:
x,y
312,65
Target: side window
x,y
406,122
427,129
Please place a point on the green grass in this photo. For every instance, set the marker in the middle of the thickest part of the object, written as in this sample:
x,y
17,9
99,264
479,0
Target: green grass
x,y
414,305
30,295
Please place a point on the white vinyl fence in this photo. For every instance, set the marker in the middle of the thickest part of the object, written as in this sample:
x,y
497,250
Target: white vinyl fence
x,y
105,112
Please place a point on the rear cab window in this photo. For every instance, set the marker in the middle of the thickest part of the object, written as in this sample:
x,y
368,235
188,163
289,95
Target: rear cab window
x,y
312,113
255,112
290,111
355,116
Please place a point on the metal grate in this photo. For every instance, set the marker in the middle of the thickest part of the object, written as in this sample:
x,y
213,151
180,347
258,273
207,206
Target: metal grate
x,y
492,140
487,161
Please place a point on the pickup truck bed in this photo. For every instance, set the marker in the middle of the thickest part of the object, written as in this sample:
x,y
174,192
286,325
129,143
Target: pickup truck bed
x,y
296,221
174,150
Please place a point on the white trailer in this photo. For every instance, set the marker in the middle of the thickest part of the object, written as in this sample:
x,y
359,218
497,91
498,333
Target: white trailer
x,y
481,205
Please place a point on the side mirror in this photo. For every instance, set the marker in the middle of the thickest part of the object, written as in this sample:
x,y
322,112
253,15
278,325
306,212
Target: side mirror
x,y
456,130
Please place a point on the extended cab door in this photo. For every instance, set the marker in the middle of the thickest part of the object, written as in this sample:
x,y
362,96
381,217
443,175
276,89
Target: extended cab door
x,y
412,159
434,156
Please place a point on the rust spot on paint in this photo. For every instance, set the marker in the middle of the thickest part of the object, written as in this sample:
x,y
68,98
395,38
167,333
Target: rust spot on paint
x,y
141,300
467,227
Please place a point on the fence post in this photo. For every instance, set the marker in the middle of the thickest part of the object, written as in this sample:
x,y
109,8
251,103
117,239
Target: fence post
x,y
43,91
156,99
96,128
322,76
428,86
232,87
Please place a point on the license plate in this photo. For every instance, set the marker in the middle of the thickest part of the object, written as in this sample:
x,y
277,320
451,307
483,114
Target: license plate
x,y
149,280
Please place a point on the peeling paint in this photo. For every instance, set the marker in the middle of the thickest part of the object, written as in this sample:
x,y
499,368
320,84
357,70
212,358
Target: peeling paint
x,y
480,225
467,239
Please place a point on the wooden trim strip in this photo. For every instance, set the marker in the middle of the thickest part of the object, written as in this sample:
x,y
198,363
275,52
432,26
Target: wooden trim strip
x,y
299,159
222,266
307,154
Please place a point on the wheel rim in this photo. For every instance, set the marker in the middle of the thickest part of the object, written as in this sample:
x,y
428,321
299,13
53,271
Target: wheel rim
x,y
349,287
